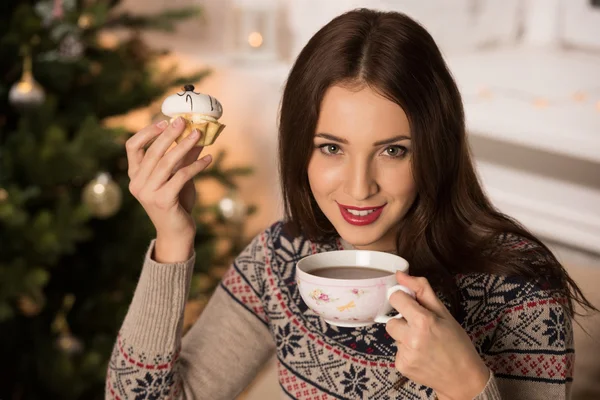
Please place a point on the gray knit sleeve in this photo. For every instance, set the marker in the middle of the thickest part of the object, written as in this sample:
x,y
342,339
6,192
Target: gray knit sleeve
x,y
150,359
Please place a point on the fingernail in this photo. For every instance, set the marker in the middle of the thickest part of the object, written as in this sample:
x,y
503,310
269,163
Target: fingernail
x,y
162,124
207,158
194,135
178,121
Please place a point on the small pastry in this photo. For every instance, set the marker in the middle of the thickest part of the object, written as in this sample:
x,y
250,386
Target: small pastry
x,y
199,111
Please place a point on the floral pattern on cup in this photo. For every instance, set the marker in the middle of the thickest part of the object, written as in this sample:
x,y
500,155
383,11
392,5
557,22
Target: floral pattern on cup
x,y
319,296
358,292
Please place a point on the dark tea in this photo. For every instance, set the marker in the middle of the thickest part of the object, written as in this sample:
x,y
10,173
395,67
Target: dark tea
x,y
350,272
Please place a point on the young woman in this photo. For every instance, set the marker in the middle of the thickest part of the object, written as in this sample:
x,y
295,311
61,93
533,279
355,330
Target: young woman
x,y
371,123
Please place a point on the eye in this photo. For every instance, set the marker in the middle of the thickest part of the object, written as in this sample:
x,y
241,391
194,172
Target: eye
x,y
329,149
395,151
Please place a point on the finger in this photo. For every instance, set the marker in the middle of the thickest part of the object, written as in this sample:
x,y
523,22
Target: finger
x,y
158,149
398,329
176,183
166,165
411,310
423,292
135,145
189,158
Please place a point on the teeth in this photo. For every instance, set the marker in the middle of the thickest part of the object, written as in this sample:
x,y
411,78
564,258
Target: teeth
x,y
360,213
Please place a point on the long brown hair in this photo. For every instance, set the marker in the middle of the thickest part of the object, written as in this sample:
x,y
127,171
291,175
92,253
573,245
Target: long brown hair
x,y
452,228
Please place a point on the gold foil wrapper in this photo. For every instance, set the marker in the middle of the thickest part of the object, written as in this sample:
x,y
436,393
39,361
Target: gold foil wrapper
x,y
209,131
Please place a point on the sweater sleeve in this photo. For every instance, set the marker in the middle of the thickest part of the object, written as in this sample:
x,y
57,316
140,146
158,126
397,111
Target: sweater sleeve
x,y
150,360
531,351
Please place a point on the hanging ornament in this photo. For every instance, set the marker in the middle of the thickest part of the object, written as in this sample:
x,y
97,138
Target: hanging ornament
x,y
66,342
102,196
69,344
232,208
28,306
71,48
26,93
85,21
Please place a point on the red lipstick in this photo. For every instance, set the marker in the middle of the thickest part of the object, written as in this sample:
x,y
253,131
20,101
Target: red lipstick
x,y
360,220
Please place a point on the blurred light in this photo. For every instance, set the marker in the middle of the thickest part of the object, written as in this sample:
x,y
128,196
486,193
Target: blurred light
x,y
85,21
579,96
24,87
540,102
485,92
99,188
255,39
108,41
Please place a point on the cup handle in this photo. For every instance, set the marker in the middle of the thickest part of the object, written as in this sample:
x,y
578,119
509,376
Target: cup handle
x,y
383,319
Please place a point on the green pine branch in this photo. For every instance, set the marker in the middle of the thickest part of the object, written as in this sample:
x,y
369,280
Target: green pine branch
x,y
163,21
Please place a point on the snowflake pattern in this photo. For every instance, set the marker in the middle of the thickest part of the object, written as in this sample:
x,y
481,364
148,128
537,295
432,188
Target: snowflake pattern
x,y
555,329
153,386
286,341
355,381
365,334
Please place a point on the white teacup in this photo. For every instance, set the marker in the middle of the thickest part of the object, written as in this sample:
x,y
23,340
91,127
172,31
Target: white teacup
x,y
345,302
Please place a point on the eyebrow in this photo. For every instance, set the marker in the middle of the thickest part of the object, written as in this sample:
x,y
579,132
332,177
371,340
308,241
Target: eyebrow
x,y
333,138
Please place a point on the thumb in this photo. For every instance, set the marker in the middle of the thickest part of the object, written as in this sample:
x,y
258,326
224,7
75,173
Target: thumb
x,y
424,293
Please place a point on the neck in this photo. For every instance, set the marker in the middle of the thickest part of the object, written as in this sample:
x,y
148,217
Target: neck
x,y
349,246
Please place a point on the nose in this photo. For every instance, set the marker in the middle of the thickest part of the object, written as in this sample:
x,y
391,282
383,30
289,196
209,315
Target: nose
x,y
360,180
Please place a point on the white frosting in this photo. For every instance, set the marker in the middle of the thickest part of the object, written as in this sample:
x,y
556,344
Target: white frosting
x,y
189,102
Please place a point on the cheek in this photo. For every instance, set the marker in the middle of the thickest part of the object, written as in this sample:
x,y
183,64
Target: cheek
x,y
399,182
323,175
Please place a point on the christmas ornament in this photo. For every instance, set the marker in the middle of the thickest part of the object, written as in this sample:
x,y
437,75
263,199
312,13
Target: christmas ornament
x,y
85,21
66,342
69,344
107,40
70,48
102,196
26,93
28,306
232,208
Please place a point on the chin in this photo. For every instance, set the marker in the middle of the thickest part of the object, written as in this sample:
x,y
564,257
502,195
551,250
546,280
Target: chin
x,y
362,236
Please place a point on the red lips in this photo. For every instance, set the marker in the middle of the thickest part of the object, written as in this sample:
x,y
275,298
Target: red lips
x,y
360,220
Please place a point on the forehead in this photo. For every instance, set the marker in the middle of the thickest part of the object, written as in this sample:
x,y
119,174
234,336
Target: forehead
x,y
360,112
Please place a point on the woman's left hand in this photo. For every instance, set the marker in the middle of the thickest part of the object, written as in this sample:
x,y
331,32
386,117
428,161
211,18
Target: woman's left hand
x,y
433,349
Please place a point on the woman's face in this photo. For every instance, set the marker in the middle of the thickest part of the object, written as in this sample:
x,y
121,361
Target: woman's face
x,y
360,169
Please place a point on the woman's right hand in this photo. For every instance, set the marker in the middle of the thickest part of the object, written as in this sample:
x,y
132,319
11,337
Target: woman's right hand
x,y
163,183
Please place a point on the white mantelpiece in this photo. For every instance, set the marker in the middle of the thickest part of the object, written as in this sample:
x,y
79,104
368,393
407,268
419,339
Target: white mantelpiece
x,y
533,115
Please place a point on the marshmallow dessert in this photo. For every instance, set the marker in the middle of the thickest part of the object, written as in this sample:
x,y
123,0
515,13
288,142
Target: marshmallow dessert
x,y
199,111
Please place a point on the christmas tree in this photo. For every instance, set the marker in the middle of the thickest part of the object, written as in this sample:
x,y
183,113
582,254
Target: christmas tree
x,y
72,238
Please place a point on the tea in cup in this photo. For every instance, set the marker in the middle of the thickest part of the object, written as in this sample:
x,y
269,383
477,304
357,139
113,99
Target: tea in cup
x,y
350,288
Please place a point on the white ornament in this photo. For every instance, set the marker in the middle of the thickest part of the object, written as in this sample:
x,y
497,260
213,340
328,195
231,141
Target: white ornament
x,y
26,93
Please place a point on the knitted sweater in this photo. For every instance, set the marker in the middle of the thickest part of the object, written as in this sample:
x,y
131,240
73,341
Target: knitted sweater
x,y
518,328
